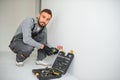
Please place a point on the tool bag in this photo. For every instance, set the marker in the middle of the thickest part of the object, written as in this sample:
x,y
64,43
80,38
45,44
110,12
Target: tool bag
x,y
59,67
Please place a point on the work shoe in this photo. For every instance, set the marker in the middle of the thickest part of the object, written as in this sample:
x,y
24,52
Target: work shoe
x,y
44,63
19,64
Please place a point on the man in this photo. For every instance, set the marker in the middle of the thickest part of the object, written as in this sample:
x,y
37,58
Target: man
x,y
32,33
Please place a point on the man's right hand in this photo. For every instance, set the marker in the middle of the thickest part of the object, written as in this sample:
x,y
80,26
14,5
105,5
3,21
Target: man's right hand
x,y
42,46
49,50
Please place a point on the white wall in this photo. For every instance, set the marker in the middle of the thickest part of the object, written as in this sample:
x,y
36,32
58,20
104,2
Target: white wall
x,y
92,29
12,12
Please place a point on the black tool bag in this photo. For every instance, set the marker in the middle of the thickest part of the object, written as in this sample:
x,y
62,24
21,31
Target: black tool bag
x,y
60,67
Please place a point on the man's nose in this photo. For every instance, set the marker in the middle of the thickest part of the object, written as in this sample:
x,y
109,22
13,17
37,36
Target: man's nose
x,y
45,20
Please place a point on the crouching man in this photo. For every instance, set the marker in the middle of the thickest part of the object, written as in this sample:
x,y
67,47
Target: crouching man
x,y
32,33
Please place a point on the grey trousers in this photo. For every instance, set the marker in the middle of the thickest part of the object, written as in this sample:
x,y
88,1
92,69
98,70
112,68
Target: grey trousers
x,y
23,50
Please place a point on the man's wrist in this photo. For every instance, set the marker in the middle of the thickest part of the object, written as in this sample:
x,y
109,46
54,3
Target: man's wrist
x,y
42,46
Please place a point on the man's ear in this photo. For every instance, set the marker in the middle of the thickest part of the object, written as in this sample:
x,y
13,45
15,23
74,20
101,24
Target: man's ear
x,y
38,16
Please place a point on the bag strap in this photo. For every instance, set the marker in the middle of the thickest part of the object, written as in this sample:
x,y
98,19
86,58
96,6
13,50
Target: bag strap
x,y
33,24
36,33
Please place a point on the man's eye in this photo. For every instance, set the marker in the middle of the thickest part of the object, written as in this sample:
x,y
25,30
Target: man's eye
x,y
43,16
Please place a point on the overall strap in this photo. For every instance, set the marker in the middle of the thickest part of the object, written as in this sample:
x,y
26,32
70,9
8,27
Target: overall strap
x,y
33,24
35,33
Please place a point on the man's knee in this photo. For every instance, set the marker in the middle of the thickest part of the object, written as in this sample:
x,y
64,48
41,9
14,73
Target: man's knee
x,y
41,54
20,57
24,52
20,47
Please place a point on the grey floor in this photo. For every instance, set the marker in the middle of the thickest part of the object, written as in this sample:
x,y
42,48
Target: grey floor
x,y
9,71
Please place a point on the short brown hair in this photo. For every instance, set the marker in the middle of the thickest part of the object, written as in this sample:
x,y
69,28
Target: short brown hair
x,y
47,11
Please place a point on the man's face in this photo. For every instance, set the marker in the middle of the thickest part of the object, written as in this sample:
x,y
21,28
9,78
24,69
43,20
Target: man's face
x,y
43,19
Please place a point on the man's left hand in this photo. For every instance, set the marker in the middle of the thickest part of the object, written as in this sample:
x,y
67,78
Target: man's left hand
x,y
60,48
